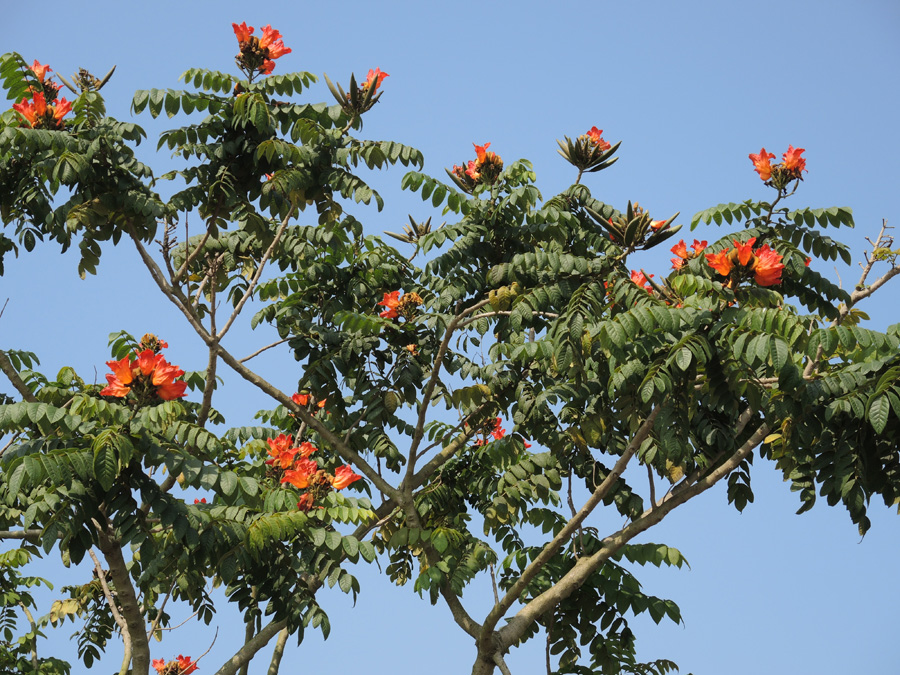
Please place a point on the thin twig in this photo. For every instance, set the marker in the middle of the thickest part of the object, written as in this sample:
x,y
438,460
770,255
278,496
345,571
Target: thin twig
x,y
159,612
259,271
260,351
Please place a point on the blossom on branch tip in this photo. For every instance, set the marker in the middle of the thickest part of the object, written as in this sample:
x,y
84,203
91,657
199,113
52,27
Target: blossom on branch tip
x,y
374,79
741,262
39,114
768,268
257,55
792,161
594,136
149,372
761,163
680,249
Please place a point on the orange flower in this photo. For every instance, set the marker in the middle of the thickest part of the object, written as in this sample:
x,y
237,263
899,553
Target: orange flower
x,y
497,432
242,31
391,301
481,151
271,41
300,476
768,268
185,665
761,163
281,452
594,135
343,476
374,79
39,115
641,280
744,251
159,665
792,161
146,367
720,262
306,449
258,54
300,399
472,170
40,71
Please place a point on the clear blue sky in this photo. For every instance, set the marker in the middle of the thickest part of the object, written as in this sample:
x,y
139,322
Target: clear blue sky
x,y
690,88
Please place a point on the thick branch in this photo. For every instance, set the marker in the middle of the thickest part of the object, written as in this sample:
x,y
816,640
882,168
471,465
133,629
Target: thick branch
x,y
7,367
279,652
33,536
586,566
246,653
500,609
129,620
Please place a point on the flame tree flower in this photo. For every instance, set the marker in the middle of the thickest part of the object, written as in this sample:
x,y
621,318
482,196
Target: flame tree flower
x,y
390,301
38,114
641,280
594,136
680,249
764,264
761,163
148,376
485,168
49,88
374,78
343,476
257,55
778,176
301,475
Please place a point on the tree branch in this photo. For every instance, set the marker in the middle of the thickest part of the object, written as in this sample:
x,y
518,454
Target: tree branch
x,y
246,653
278,653
117,616
256,277
7,367
584,567
550,549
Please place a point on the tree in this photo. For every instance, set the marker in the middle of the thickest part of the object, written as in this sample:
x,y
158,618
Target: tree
x,y
524,313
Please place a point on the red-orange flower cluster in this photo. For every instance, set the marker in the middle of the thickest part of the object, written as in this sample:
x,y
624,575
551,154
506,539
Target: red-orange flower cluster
x,y
791,167
180,666
304,399
397,306
282,453
258,54
39,114
594,136
297,469
485,168
680,249
497,432
764,264
147,375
